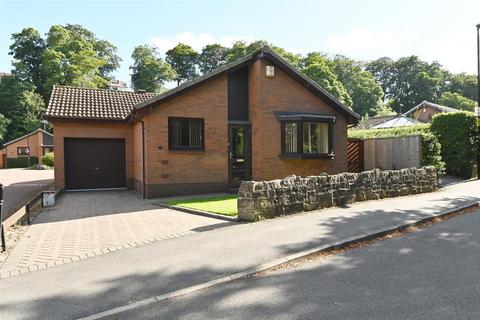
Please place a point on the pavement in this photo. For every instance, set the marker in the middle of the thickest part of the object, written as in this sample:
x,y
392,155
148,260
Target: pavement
x,y
21,185
428,274
82,225
118,278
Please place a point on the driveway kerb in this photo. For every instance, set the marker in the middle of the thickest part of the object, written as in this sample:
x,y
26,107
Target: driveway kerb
x,y
278,262
197,212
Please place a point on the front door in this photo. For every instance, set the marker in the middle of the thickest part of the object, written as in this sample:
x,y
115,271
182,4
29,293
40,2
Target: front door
x,y
240,154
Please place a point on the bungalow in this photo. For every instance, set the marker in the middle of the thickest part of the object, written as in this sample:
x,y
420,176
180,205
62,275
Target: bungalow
x,y
254,118
425,111
34,144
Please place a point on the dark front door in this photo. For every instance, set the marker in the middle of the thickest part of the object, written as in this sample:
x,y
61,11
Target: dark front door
x,y
240,154
94,163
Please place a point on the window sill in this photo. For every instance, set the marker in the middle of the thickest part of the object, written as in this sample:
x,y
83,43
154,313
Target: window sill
x,y
185,150
293,156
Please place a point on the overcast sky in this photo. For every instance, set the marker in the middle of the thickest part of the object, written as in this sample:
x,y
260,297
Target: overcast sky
x,y
434,30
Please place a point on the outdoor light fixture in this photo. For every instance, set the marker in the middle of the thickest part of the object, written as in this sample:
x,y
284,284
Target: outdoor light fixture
x,y
270,71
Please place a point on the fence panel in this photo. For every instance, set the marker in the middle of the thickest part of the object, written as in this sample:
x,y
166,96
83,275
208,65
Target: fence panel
x,y
392,153
355,155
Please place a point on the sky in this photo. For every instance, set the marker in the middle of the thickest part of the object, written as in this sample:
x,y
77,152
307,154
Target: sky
x,y
442,31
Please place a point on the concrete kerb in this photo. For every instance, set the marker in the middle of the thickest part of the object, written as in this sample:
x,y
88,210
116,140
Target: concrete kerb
x,y
196,211
278,262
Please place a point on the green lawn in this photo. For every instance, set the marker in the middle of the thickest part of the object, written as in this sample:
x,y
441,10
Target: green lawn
x,y
226,205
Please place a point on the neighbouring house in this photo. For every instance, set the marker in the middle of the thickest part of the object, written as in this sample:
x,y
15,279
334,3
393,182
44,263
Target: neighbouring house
x,y
255,118
425,111
384,122
34,144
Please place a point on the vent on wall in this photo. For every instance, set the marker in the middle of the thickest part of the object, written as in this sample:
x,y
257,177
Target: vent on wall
x,y
270,71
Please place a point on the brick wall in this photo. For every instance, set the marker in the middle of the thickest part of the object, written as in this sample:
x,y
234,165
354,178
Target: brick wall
x,y
425,114
90,129
183,172
282,93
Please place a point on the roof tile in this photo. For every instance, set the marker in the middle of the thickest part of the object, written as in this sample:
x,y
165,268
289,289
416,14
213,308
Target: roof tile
x,y
84,103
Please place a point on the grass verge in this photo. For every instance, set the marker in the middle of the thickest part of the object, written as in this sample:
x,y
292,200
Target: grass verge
x,y
225,205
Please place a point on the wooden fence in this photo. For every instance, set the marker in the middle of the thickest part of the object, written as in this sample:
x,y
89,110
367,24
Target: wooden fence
x,y
392,153
355,155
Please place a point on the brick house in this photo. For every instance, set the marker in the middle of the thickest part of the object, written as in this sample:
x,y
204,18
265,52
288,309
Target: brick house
x,y
34,144
255,118
425,111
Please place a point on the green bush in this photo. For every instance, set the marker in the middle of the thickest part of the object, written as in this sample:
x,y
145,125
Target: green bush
x,y
21,162
431,147
48,159
456,132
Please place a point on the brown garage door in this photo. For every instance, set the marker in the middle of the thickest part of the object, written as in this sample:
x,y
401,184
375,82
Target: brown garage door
x,y
94,163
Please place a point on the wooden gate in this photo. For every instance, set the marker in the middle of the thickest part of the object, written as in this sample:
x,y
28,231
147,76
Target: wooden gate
x,y
355,155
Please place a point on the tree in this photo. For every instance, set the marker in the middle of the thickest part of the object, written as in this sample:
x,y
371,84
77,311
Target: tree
x,y
317,68
366,93
3,126
408,80
183,60
21,105
383,110
149,71
212,57
457,101
464,84
27,50
72,57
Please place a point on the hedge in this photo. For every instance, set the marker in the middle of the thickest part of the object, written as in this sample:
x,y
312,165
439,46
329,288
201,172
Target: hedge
x,y
456,132
21,162
431,147
48,159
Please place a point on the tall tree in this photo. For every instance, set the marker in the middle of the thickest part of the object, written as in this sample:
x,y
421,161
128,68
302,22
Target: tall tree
x,y
366,93
409,80
457,101
149,71
463,84
21,105
183,60
27,51
212,56
317,68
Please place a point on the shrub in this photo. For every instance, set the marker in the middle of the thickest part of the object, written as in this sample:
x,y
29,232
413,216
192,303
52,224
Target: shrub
x,y
21,162
456,132
48,159
431,147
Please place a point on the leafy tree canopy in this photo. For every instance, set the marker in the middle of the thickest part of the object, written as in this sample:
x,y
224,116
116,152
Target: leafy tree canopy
x,y
183,60
457,101
22,105
366,93
316,66
212,57
149,71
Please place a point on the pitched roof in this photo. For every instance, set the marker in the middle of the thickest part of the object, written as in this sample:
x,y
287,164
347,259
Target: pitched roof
x,y
374,121
264,52
425,103
397,121
98,104
27,135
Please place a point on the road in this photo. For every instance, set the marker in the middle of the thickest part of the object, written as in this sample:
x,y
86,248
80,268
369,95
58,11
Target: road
x,y
21,185
429,274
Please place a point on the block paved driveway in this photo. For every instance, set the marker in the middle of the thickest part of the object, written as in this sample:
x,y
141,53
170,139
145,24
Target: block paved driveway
x,y
21,185
88,224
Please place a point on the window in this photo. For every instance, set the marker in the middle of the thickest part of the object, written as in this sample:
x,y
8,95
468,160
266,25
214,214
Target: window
x,y
307,139
23,151
185,134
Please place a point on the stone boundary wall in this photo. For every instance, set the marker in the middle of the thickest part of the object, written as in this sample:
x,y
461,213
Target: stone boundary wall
x,y
259,200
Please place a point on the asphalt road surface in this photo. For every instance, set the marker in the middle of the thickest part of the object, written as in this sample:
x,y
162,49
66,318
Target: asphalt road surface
x,y
433,273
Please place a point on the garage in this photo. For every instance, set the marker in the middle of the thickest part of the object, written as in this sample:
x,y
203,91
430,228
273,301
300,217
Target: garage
x,y
94,163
